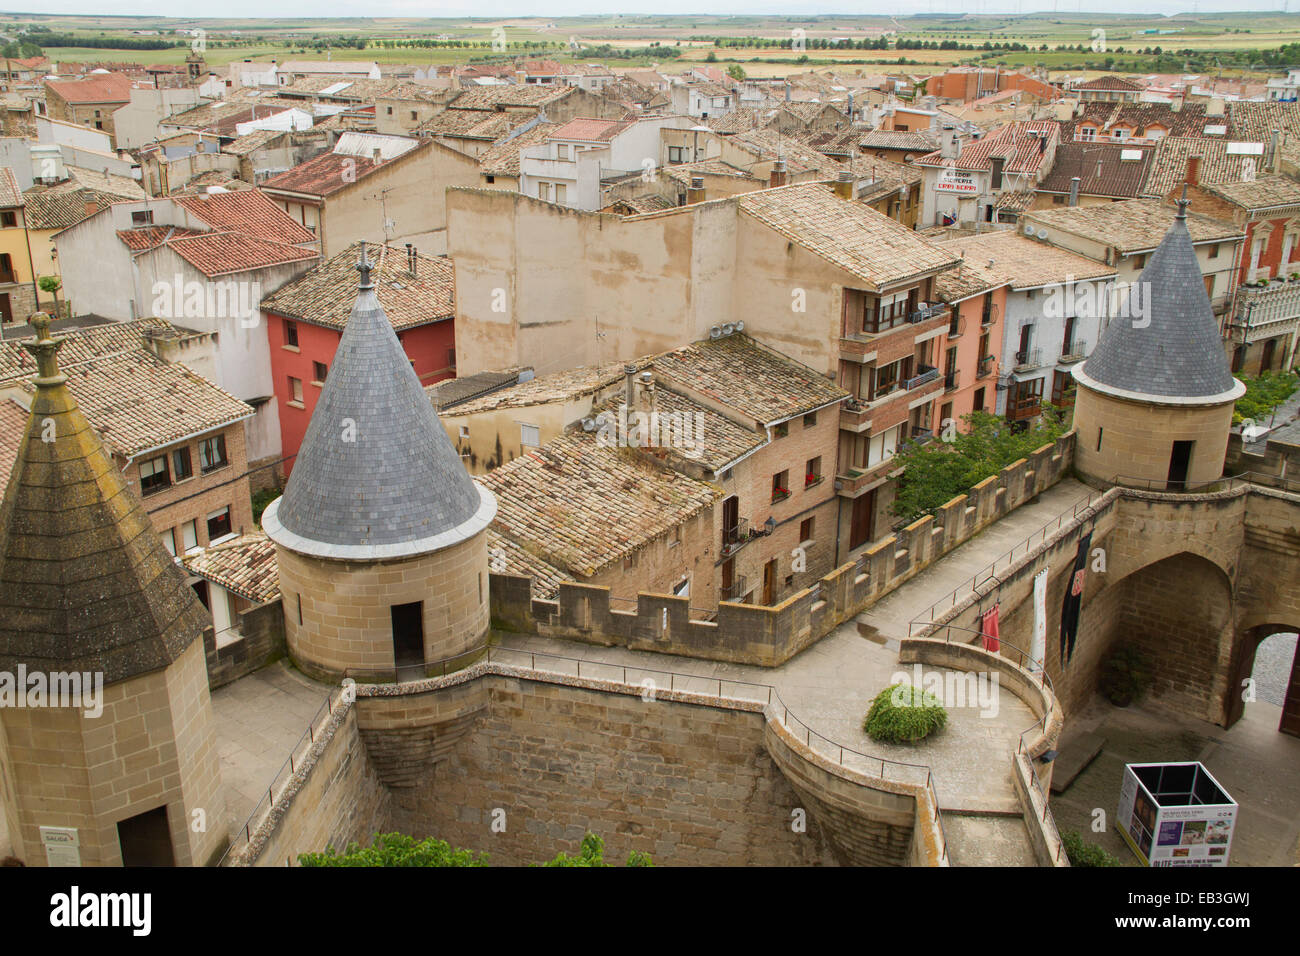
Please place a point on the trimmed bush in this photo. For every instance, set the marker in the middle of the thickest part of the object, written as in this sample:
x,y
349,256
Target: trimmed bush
x,y
1085,854
904,713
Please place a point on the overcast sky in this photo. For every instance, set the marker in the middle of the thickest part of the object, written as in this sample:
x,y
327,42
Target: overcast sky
x,y
560,8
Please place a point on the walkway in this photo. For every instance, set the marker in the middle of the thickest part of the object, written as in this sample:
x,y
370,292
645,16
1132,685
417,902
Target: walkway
x,y
891,616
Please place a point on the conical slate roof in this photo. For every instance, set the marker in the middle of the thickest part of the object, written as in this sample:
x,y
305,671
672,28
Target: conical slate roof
x,y
376,476
1174,350
85,582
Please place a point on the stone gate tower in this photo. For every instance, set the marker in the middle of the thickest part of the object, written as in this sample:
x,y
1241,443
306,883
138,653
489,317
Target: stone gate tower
x,y
1154,400
380,534
88,594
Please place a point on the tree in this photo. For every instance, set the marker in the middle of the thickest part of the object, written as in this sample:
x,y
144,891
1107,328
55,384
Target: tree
x,y
593,854
736,71
937,472
52,285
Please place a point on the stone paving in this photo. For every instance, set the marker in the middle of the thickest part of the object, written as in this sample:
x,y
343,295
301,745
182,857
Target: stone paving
x,y
892,615
1257,765
258,719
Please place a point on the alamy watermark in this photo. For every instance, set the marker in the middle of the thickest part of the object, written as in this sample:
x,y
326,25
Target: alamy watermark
x,y
175,298
680,431
41,689
951,688
1092,300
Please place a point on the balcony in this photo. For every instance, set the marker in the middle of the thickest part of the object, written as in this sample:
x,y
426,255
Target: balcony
x,y
929,312
739,588
1028,359
952,380
1073,352
989,316
986,366
1023,407
736,537
854,415
1253,308
853,481
925,374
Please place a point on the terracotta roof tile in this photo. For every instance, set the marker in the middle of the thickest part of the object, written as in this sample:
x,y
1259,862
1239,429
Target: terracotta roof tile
x,y
247,211
1217,166
13,423
323,296
1133,225
1101,169
852,236
10,195
104,88
591,130
510,557
1019,144
1261,193
245,566
502,158
1023,262
581,506
225,253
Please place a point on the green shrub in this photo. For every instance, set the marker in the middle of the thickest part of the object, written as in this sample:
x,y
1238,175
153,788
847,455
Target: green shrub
x,y
1264,393
904,713
261,499
1085,854
1125,676
593,854
396,849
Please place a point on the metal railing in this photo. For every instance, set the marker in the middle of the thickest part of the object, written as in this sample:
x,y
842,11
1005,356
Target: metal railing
x,y
989,572
929,312
738,589
1029,358
925,374
1224,483
951,380
1036,669
986,366
735,537
1073,352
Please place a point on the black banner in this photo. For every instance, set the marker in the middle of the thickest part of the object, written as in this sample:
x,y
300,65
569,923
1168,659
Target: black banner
x,y
1073,600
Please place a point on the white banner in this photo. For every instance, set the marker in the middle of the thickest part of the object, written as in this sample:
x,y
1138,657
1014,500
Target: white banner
x,y
1039,644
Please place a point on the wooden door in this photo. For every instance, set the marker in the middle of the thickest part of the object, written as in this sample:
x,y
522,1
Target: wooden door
x,y
769,582
862,524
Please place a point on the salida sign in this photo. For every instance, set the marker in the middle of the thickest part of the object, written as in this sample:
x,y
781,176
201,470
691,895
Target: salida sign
x,y
957,181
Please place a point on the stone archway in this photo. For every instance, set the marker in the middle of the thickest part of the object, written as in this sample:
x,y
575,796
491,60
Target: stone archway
x,y
1247,643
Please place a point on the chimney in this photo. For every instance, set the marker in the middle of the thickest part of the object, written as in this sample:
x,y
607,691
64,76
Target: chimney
x,y
995,178
696,191
1214,106
1176,104
844,185
376,156
1193,177
646,400
92,207
1275,154
411,260
1074,191
629,389
779,176
950,144
787,91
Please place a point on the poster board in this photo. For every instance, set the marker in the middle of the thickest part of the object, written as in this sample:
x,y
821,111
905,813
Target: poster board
x,y
1175,814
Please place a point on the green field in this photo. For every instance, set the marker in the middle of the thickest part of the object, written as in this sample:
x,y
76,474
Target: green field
x,y
1206,35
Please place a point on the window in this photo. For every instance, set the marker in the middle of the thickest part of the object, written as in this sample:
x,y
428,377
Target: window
x,y
218,524
153,475
813,472
529,436
1139,261
491,179
319,370
810,420
781,430
1214,251
1099,431
806,530
629,562
144,218
676,154
169,541
414,117
390,111
181,466
780,486
882,446
295,390
561,150
212,453
190,535
561,192
291,333
978,404
8,219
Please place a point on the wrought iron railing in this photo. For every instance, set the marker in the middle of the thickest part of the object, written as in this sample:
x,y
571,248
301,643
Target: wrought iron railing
x,y
925,374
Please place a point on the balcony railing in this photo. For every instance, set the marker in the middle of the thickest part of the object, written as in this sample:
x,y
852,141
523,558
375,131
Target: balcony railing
x,y
738,589
986,366
1018,409
925,375
951,380
1029,358
929,312
1276,302
1073,352
735,537
989,316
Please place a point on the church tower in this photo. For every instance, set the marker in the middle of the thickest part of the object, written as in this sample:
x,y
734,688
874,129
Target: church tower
x,y
107,754
380,534
1154,401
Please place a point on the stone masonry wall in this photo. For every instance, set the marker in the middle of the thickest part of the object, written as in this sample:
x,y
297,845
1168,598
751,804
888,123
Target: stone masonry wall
x,y
261,642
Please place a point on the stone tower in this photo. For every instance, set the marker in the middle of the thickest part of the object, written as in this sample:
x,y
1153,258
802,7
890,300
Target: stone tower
x,y
1154,400
90,597
380,534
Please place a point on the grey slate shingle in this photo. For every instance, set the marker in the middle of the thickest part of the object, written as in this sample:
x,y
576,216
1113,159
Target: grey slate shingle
x,y
1179,354
400,480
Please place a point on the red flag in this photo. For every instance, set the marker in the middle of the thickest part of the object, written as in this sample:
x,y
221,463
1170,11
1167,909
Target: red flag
x,y
989,628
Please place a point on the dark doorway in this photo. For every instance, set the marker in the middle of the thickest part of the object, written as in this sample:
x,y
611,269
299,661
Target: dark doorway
x,y
1269,353
408,634
729,579
6,310
146,840
863,521
1180,459
201,589
730,522
1291,704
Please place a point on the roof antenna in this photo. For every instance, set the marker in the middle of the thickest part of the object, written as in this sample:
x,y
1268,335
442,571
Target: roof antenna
x,y
1183,203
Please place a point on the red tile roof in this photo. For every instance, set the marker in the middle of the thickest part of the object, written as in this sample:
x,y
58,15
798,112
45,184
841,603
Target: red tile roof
x,y
325,174
591,130
223,253
248,211
103,88
1022,151
150,237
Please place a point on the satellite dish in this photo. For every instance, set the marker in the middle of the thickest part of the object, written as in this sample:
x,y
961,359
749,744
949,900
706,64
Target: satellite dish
x,y
1042,233
1029,230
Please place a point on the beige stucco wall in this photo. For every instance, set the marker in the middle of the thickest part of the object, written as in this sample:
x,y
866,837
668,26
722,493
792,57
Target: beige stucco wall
x,y
1137,437
346,617
152,746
